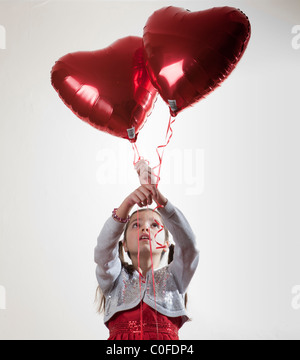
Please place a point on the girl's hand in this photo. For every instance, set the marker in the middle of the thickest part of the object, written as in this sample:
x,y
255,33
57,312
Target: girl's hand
x,y
145,173
142,196
148,181
157,196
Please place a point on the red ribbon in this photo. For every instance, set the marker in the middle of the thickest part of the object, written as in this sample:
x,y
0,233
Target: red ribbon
x,y
137,157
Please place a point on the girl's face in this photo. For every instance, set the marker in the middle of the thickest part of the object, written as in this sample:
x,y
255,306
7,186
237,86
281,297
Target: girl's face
x,y
144,232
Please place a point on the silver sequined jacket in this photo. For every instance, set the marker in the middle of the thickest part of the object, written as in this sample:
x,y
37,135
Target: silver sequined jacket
x,y
122,291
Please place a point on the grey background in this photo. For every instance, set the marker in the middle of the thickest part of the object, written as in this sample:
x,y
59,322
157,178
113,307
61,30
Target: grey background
x,y
238,183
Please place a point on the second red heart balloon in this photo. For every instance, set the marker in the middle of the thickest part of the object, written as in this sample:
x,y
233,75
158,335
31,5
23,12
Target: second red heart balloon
x,y
188,54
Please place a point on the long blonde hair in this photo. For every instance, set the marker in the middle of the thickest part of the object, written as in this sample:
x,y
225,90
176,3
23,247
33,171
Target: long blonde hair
x,y
99,297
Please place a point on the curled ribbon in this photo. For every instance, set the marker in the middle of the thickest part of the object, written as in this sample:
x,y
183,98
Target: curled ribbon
x,y
147,176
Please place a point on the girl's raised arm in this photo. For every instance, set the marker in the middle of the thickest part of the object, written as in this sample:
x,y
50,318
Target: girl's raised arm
x,y
106,253
186,254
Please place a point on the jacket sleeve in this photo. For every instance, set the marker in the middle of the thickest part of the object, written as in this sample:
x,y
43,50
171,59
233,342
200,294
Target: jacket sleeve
x,y
186,254
106,254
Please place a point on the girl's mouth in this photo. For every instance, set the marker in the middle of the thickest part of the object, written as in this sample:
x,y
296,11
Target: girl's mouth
x,y
145,237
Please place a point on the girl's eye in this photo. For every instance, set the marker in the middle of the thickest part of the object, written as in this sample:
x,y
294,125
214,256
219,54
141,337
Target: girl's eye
x,y
153,224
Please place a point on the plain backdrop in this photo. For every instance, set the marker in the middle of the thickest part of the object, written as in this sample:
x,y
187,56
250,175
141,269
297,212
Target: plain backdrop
x,y
232,167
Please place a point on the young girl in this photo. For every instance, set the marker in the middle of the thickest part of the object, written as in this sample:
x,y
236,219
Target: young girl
x,y
145,301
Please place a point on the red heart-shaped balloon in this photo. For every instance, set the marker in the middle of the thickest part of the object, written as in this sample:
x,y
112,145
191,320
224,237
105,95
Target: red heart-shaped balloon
x,y
188,54
109,88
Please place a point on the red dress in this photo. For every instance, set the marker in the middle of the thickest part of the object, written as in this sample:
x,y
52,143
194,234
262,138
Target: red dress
x,y
125,325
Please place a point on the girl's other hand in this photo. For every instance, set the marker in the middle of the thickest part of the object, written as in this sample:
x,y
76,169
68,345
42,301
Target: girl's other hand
x,y
157,196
